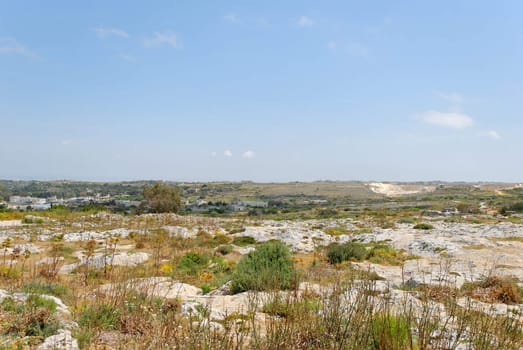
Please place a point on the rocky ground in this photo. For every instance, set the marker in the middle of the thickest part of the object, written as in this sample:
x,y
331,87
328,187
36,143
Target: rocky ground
x,y
448,253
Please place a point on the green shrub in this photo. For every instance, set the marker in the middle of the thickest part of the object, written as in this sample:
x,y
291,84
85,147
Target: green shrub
x,y
243,241
336,231
290,308
224,249
35,301
391,332
55,289
220,239
206,288
33,318
385,254
337,253
406,220
423,226
269,267
101,316
192,263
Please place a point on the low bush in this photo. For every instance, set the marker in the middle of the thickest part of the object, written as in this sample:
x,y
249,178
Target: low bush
x,y
494,289
33,318
224,249
220,239
391,332
385,254
423,226
290,308
244,241
269,267
337,253
336,231
192,263
100,316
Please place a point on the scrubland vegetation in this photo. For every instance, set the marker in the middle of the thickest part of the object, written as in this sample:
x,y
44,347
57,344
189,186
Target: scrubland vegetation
x,y
344,280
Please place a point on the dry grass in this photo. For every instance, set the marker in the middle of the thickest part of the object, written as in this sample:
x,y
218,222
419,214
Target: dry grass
x,y
475,246
494,289
509,239
345,309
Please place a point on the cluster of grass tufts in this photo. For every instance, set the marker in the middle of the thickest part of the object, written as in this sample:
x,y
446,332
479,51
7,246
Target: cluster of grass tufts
x,y
377,253
49,288
385,254
337,231
243,241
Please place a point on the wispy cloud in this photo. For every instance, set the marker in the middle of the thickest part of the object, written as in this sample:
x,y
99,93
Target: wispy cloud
x,y
492,134
213,154
104,32
66,142
332,45
304,21
451,120
248,154
453,97
12,46
227,153
231,17
162,38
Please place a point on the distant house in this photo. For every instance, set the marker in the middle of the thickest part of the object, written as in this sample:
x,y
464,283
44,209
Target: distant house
x,y
27,202
236,207
41,206
20,200
244,205
252,204
127,203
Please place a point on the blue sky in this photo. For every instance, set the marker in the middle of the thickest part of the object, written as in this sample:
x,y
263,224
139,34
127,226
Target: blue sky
x,y
261,90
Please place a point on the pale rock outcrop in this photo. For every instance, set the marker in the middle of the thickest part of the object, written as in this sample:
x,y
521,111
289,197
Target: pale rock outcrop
x,y
101,260
63,340
161,287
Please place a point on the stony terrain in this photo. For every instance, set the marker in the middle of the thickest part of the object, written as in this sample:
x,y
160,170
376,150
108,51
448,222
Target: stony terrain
x,y
449,253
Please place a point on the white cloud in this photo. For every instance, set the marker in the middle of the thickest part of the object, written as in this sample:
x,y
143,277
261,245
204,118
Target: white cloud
x,y
213,154
11,46
227,153
231,17
452,97
104,32
493,134
449,120
66,142
161,38
305,21
332,45
248,154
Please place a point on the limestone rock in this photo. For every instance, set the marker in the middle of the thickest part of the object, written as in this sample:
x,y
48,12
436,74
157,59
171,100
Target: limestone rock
x,y
63,340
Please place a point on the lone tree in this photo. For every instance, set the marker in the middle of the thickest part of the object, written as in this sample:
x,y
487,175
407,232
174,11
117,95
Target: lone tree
x,y
162,198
